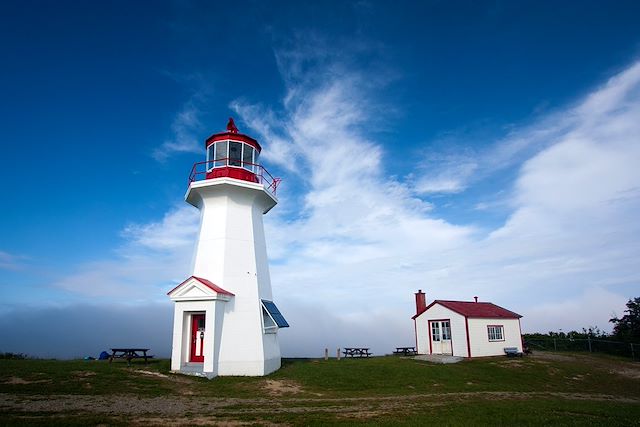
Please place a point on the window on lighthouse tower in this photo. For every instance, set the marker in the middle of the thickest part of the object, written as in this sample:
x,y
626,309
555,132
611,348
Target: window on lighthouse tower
x,y
247,157
221,154
210,154
235,153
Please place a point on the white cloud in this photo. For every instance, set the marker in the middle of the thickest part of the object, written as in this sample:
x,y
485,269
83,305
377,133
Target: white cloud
x,y
154,257
445,174
185,127
174,232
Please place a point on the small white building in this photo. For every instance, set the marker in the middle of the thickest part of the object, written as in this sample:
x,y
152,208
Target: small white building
x,y
225,321
465,328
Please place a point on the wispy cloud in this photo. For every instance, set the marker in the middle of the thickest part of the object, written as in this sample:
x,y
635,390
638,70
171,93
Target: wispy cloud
x,y
444,173
153,257
185,128
10,261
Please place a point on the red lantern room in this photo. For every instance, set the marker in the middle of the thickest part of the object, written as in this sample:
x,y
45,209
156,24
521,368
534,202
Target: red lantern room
x,y
231,154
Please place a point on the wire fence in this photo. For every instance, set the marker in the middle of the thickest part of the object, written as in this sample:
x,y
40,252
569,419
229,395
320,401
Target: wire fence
x,y
591,345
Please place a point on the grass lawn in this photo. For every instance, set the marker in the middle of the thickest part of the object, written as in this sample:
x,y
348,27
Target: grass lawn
x,y
546,388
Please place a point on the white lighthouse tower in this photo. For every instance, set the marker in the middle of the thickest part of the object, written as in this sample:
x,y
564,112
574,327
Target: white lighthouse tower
x,y
225,321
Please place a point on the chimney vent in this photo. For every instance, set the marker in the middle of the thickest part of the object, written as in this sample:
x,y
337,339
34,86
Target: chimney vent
x,y
475,298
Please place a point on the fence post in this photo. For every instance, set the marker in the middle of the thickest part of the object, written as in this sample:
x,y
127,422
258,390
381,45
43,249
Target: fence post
x,y
555,346
326,354
589,341
633,356
338,353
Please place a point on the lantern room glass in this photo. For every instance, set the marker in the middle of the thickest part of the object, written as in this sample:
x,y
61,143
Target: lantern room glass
x,y
221,154
210,156
247,157
235,153
232,153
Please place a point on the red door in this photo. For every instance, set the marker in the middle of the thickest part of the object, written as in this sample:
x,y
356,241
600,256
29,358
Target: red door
x,y
197,338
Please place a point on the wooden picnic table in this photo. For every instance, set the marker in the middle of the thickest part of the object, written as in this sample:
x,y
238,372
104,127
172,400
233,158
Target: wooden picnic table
x,y
129,353
356,352
405,351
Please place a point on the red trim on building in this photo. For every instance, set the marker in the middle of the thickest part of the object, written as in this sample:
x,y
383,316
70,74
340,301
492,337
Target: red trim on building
x,y
466,327
429,333
205,282
451,336
232,137
194,331
415,331
232,172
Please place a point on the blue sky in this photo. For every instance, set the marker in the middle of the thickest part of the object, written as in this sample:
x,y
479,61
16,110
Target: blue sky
x,y
464,148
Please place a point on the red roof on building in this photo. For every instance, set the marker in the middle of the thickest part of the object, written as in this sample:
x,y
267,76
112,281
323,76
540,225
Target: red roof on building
x,y
205,282
475,309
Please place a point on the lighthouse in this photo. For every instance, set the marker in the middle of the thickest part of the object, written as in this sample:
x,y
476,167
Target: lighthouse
x,y
225,320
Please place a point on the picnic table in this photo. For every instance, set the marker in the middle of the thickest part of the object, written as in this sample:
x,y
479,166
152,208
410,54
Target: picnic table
x,y
405,351
129,353
356,352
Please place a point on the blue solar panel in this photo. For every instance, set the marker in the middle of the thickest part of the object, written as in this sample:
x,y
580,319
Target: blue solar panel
x,y
275,313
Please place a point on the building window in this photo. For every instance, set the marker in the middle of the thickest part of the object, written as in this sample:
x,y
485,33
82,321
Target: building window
x,y
435,331
496,332
268,324
446,330
272,319
247,157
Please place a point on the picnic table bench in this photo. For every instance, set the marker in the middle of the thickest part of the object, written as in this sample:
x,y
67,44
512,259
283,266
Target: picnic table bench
x,y
356,352
405,351
129,354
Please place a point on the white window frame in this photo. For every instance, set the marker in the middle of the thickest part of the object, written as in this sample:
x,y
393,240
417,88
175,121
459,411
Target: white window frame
x,y
495,333
269,326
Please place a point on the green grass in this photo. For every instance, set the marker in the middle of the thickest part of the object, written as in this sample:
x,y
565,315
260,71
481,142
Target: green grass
x,y
556,389
79,377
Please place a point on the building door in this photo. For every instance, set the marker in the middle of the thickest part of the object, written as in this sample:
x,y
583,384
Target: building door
x,y
440,331
197,338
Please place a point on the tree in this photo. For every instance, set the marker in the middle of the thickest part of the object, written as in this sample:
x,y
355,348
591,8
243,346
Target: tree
x,y
628,326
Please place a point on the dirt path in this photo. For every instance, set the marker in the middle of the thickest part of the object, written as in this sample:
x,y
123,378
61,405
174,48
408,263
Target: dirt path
x,y
175,406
